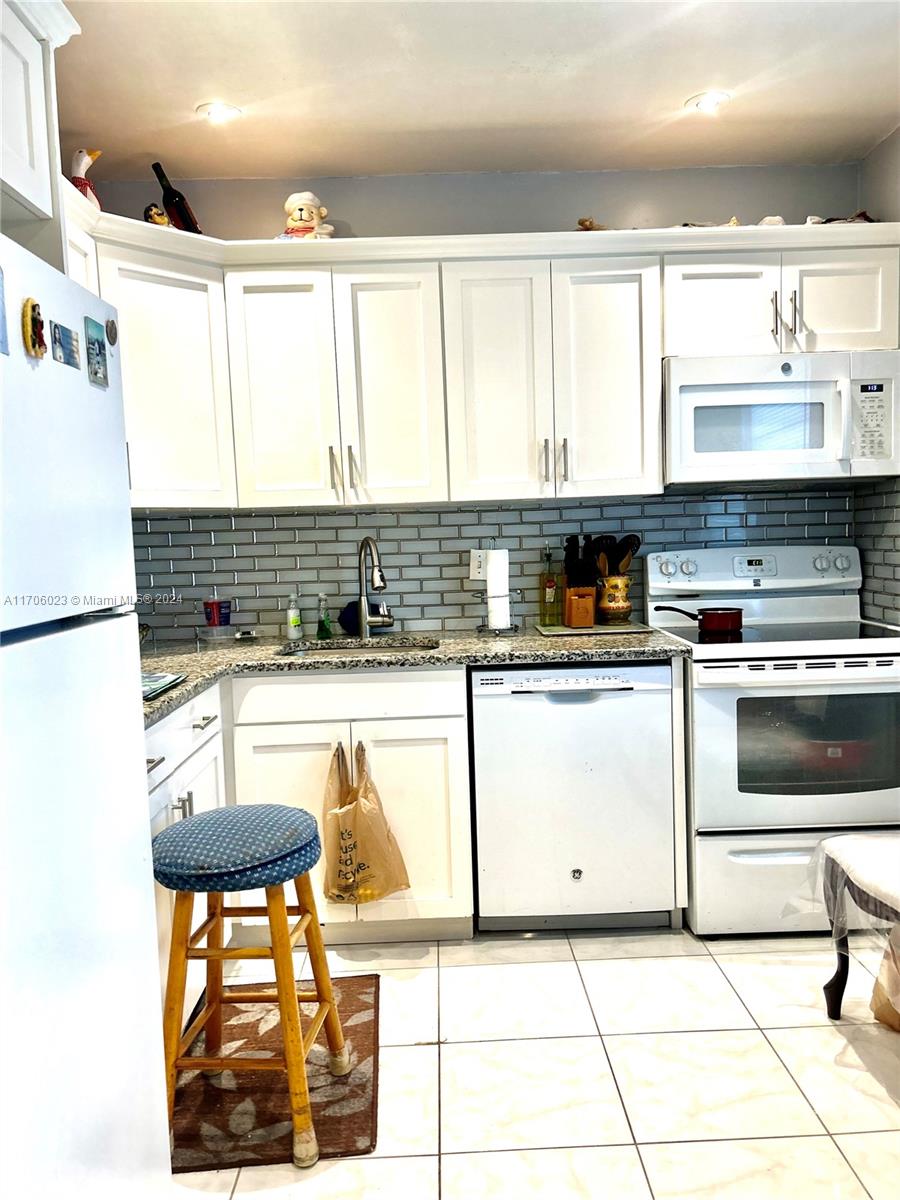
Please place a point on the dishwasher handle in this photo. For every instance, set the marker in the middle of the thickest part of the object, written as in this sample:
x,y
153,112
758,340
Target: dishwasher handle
x,y
579,696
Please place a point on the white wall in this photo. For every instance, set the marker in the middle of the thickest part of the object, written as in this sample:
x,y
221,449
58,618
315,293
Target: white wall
x,y
880,180
505,203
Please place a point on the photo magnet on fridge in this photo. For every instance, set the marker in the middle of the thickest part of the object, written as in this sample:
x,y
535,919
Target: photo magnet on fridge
x,y
4,339
65,345
96,352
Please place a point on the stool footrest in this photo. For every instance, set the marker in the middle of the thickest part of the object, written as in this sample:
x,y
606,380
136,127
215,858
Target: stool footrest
x,y
198,1063
312,1031
256,910
251,997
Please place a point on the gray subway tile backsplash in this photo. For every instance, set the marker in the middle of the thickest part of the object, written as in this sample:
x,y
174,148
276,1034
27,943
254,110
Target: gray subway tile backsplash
x,y
259,558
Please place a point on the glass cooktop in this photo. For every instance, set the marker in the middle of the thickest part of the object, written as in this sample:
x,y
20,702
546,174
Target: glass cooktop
x,y
817,631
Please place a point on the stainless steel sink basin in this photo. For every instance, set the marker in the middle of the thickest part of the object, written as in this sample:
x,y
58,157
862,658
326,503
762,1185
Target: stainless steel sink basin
x,y
383,644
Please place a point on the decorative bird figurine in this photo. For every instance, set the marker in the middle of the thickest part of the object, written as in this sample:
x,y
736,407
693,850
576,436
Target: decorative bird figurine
x,y
82,160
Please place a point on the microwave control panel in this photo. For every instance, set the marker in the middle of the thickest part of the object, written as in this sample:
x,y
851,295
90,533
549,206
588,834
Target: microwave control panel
x,y
873,421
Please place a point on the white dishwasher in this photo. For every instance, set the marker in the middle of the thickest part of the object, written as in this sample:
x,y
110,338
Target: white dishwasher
x,y
574,794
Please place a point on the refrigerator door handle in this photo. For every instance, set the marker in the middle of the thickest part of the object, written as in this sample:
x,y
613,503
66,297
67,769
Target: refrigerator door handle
x,y
153,763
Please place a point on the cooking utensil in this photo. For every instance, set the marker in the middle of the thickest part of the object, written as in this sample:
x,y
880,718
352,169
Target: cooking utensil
x,y
603,564
626,562
628,545
710,620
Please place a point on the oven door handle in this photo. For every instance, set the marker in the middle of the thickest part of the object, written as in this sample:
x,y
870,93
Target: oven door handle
x,y
800,681
766,858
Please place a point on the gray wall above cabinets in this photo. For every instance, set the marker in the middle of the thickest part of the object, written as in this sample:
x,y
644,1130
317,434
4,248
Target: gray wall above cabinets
x,y
398,205
259,558
879,184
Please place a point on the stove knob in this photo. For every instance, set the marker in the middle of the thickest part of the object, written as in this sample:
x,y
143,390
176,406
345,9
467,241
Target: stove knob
x,y
667,568
843,563
821,563
689,567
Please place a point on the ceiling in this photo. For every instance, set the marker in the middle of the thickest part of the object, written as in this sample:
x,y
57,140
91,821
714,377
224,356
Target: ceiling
x,y
345,88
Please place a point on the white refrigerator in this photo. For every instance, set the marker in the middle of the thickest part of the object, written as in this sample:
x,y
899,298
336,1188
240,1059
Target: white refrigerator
x,y
83,1096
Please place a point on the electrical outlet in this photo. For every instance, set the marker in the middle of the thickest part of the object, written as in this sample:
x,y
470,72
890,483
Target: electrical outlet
x,y
478,564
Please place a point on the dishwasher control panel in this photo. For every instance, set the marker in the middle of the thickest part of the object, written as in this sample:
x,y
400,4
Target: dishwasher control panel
x,y
559,679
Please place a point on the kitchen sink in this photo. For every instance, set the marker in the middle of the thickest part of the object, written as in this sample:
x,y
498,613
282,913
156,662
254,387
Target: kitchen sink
x,y
385,643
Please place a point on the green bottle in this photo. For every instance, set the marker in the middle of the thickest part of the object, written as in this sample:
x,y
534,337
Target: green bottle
x,y
323,627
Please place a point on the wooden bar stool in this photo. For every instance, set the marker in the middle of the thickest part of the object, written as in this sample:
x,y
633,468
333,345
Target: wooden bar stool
x,y
234,849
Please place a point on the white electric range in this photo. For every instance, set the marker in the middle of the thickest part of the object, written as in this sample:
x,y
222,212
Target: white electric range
x,y
793,724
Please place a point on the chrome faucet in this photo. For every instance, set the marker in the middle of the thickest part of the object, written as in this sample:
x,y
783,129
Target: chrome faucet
x,y
383,618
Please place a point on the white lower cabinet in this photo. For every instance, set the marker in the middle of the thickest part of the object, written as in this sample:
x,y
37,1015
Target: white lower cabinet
x,y
413,727
197,785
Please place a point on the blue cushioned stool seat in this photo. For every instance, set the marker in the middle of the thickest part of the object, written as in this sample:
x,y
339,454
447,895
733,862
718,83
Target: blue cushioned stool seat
x,y
230,849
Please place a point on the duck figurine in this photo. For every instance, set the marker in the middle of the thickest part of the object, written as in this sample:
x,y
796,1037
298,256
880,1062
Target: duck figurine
x,y
82,161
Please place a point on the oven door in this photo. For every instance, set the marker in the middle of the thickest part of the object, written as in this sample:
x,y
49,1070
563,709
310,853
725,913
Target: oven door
x,y
779,745
765,417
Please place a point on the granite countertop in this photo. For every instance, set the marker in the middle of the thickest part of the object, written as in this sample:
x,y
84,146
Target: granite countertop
x,y
212,662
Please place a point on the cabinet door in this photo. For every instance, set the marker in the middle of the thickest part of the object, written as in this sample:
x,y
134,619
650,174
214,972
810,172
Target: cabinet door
x,y
81,258
197,786
719,304
288,764
174,378
25,157
287,435
499,369
841,299
606,364
391,383
421,769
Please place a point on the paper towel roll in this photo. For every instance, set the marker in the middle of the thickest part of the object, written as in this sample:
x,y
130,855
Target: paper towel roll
x,y
497,579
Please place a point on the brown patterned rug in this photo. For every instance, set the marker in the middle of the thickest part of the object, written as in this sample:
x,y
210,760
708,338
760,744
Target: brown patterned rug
x,y
243,1118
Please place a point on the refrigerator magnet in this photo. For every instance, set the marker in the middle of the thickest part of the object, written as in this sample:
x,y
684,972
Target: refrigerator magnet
x,y
33,329
65,345
112,332
4,339
96,352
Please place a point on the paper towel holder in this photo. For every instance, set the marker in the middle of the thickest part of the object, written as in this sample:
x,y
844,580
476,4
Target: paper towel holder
x,y
484,628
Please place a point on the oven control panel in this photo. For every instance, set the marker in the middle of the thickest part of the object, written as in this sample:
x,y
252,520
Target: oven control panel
x,y
763,568
872,418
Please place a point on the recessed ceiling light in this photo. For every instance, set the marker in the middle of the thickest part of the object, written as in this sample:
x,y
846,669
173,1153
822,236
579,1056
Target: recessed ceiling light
x,y
218,113
708,102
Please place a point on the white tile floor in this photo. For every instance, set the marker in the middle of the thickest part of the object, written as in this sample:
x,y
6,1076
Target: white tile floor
x,y
626,1067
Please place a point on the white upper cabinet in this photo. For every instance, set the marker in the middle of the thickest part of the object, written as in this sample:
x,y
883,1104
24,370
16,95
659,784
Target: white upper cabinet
x,y
606,363
390,383
287,432
722,304
841,299
174,378
499,369
25,154
763,303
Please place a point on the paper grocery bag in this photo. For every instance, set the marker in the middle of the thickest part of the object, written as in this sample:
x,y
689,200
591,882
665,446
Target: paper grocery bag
x,y
340,840
362,859
380,869
885,1002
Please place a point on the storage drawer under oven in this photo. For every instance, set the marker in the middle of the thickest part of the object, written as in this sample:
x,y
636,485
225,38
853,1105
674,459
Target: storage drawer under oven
x,y
745,884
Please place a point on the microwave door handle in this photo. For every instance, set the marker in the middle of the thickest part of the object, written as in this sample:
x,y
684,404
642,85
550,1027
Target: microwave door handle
x,y
846,450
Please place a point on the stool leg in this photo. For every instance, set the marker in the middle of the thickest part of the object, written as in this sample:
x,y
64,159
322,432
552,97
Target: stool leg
x,y
175,984
306,1147
339,1061
214,975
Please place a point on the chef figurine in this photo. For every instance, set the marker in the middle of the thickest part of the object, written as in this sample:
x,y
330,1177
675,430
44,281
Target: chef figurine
x,y
305,218
155,215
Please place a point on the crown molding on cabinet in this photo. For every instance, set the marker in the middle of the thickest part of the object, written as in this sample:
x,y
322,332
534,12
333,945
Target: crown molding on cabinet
x,y
49,20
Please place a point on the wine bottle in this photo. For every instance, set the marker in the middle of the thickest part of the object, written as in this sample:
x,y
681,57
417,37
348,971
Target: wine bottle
x,y
177,208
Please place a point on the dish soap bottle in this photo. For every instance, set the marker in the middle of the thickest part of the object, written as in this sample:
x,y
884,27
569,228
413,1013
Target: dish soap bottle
x,y
323,627
550,592
294,619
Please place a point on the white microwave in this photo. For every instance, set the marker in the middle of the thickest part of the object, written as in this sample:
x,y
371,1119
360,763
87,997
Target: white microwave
x,y
797,416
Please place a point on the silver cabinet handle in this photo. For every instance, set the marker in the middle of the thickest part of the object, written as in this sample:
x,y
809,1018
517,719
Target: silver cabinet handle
x,y
546,460
205,722
565,460
184,805
153,763
350,466
128,462
795,315
332,467
775,316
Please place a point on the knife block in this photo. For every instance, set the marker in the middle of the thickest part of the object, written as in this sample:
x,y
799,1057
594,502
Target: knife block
x,y
579,607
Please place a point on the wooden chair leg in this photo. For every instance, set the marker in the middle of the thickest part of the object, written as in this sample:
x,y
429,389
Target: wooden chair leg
x,y
306,1147
173,1011
339,1058
214,941
834,988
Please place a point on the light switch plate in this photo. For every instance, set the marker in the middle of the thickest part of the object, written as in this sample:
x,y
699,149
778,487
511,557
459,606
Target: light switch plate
x,y
478,564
